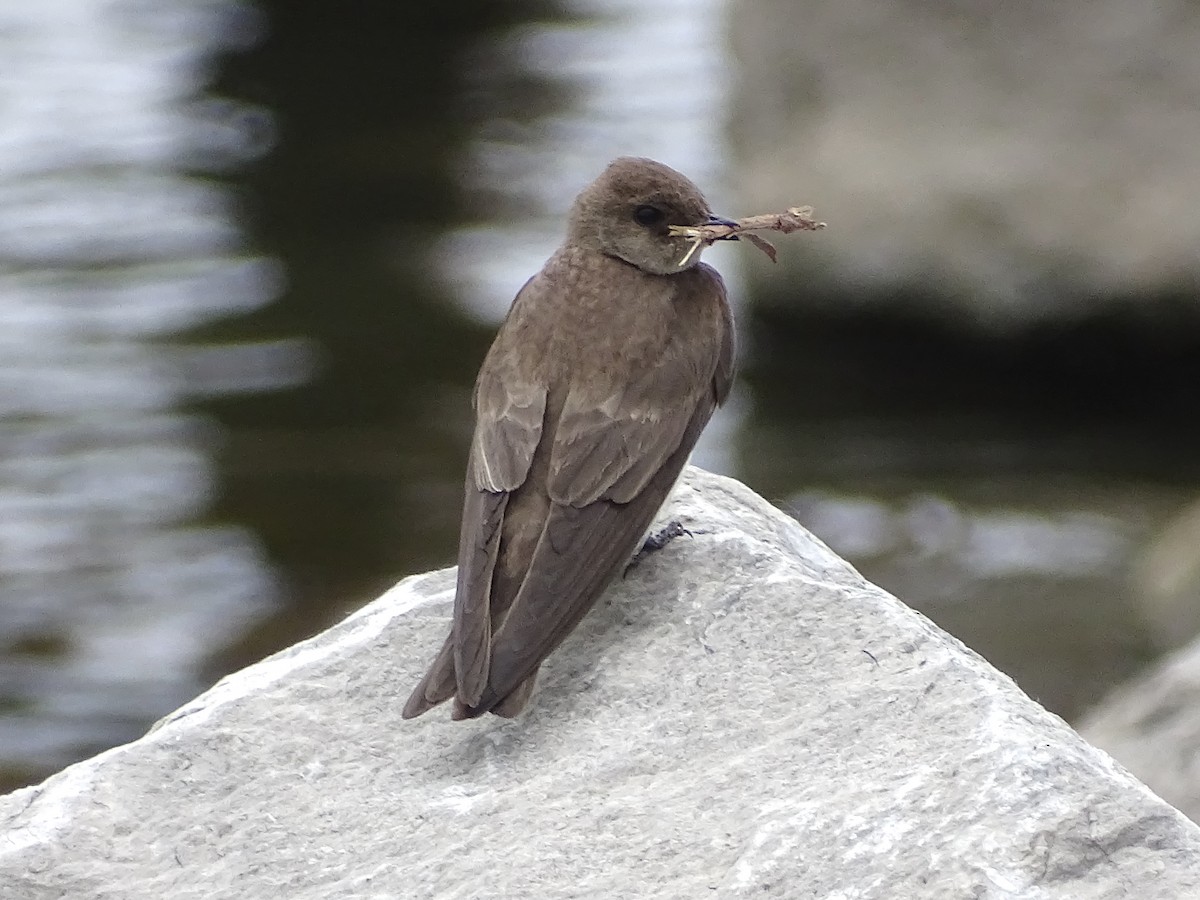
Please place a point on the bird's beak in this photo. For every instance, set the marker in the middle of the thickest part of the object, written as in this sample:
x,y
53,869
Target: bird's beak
x,y
720,220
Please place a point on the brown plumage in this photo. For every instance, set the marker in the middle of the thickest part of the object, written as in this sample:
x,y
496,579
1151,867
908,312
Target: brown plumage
x,y
609,364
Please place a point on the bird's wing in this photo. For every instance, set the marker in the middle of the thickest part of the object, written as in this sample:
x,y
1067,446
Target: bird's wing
x,y
609,443
507,432
581,549
510,407
610,449
727,355
509,412
613,461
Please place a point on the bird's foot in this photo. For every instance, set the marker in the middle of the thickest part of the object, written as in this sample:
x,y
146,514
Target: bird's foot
x,y
656,542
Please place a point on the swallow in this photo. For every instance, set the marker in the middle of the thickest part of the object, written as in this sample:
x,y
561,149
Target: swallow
x,y
607,367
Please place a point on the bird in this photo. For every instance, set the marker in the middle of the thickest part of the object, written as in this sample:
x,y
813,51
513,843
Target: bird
x,y
608,365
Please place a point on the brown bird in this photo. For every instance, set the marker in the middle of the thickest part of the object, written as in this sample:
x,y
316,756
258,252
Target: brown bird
x,y
609,364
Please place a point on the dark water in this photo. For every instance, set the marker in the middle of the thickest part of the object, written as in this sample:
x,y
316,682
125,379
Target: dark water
x,y
250,258
233,395
113,587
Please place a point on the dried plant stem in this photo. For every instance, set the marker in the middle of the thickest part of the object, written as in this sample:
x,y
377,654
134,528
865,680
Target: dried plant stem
x,y
797,218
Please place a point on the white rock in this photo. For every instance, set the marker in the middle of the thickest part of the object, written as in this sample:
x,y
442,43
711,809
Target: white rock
x,y
1152,725
743,716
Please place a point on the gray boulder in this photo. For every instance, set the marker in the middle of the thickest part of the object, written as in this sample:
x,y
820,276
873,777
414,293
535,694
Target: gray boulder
x,y
742,716
1011,163
1166,579
1152,725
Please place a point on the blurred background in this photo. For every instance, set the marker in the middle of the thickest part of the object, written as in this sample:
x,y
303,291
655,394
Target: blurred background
x,y
251,255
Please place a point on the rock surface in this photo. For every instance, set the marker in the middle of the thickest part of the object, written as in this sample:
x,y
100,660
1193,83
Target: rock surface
x,y
1152,725
743,716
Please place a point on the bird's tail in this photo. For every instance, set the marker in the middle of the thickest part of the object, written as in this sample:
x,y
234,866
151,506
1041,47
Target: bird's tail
x,y
436,687
506,707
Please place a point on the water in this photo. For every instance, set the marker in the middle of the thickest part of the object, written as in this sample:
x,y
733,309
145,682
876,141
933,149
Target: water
x,y
113,591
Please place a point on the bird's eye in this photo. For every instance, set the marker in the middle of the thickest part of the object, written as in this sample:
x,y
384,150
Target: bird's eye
x,y
648,215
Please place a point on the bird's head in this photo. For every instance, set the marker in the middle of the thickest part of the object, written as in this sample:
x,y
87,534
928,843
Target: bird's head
x,y
627,213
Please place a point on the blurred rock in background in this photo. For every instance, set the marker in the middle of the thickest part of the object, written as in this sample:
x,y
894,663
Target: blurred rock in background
x,y
1151,725
993,165
1166,579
